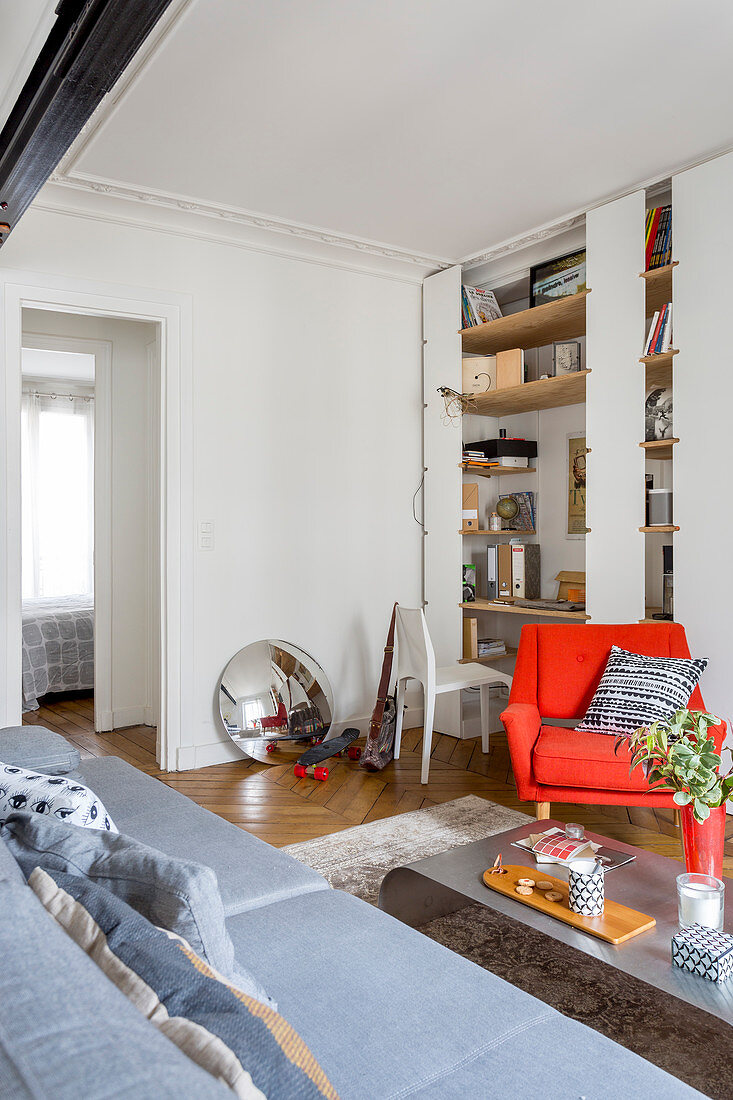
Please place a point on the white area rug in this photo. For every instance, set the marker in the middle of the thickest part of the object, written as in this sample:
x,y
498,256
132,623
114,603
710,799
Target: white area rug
x,y
356,860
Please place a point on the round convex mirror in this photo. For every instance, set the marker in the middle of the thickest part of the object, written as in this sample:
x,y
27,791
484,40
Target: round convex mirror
x,y
273,699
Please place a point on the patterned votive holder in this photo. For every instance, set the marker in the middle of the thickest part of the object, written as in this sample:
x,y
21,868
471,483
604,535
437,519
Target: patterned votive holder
x,y
700,900
587,890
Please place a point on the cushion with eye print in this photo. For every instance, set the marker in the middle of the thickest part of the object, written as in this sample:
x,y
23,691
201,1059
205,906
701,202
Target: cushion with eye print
x,y
56,796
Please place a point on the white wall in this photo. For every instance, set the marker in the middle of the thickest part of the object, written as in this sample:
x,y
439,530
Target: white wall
x,y
132,651
307,403
615,419
703,391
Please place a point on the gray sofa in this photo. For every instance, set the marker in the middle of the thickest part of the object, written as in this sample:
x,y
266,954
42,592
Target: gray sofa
x,y
389,1013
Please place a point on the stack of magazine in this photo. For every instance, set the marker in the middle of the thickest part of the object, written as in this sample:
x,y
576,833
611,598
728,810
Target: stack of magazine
x,y
552,846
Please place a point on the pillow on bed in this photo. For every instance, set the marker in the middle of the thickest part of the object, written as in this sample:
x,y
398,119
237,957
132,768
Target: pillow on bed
x,y
54,795
39,749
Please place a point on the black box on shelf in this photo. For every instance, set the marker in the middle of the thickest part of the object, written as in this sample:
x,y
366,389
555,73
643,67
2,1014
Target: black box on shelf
x,y
495,449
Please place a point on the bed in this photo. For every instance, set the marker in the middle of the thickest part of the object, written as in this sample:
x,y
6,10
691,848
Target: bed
x,y
58,646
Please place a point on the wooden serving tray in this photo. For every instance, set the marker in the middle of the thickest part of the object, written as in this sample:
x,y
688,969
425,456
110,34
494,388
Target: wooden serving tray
x,y
616,925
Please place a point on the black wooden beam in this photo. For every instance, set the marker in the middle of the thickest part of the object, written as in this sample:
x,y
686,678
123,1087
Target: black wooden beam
x,y
89,47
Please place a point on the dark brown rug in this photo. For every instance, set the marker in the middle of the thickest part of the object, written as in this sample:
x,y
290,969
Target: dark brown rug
x,y
687,1042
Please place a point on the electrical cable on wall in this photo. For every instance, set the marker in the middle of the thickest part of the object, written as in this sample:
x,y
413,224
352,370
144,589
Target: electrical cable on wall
x,y
421,522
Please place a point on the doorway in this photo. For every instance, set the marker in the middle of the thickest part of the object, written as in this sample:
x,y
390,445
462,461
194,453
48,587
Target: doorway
x,y
90,519
173,610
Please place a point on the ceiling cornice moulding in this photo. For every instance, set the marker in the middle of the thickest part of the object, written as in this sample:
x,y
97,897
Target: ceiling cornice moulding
x,y
233,215
516,244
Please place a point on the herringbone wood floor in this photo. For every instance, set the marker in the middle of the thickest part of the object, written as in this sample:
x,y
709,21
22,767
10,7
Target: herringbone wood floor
x,y
270,802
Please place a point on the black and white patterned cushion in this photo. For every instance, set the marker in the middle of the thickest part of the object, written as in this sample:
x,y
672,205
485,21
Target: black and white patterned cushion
x,y
58,796
636,690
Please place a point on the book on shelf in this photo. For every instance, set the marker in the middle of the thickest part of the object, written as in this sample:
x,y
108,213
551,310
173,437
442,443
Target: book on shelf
x,y
525,517
658,237
478,306
490,647
659,338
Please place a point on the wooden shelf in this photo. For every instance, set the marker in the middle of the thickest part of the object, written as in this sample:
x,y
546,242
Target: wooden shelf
x,y
532,328
510,652
547,393
649,612
496,471
658,286
660,449
659,527
504,531
659,367
510,609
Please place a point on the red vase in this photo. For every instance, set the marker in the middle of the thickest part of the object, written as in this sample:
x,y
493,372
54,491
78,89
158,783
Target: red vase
x,y
703,843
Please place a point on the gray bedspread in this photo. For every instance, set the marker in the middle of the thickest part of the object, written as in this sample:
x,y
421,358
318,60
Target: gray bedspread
x,y
58,646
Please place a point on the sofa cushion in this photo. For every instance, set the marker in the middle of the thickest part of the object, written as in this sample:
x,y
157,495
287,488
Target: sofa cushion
x,y
58,796
173,893
235,1038
9,869
66,1032
568,758
250,872
37,748
391,1014
636,690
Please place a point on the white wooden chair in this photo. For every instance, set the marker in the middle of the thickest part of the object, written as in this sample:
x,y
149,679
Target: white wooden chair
x,y
416,661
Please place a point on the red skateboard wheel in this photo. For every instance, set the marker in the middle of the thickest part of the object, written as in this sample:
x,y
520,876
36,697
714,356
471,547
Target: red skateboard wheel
x,y
270,747
354,752
310,771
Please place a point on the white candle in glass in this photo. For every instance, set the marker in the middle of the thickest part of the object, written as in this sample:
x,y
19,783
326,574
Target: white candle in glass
x,y
700,903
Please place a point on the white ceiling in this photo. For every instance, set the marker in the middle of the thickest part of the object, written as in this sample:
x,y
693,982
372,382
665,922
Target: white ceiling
x,y
444,126
67,366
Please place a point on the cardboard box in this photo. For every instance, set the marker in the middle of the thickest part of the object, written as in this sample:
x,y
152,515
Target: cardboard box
x,y
479,374
509,368
470,639
470,506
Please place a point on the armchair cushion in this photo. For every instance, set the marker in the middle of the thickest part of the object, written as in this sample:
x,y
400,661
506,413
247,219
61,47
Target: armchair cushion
x,y
570,758
637,689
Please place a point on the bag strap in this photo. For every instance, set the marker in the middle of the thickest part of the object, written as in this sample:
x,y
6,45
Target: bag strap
x,y
378,712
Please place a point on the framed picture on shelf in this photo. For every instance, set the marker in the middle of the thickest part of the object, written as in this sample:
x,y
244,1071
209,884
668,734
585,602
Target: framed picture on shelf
x,y
558,278
658,414
576,526
566,357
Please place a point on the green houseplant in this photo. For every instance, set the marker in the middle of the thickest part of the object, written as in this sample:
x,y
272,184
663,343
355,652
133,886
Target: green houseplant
x,y
679,755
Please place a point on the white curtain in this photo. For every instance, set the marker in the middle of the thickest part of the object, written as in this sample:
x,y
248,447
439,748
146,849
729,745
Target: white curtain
x,y
58,495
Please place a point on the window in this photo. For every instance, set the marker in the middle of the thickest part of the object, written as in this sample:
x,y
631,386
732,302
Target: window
x,y
58,495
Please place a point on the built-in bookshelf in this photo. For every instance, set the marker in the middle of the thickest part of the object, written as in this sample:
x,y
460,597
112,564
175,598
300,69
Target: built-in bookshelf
x,y
496,471
546,393
659,374
535,327
530,328
512,609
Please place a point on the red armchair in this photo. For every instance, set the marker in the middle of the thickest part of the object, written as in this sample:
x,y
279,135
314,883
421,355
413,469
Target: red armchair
x,y
557,672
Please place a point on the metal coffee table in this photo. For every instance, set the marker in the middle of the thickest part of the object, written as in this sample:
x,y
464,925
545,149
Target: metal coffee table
x,y
447,882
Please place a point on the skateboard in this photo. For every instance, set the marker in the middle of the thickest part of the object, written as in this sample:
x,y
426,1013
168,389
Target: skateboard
x,y
321,752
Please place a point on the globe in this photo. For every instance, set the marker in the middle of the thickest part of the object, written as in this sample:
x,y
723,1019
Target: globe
x,y
507,508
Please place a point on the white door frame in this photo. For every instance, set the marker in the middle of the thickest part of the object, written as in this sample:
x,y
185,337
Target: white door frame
x,y
173,312
102,352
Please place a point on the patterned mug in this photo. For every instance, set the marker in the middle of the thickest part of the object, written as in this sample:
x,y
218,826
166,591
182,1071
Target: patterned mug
x,y
587,891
